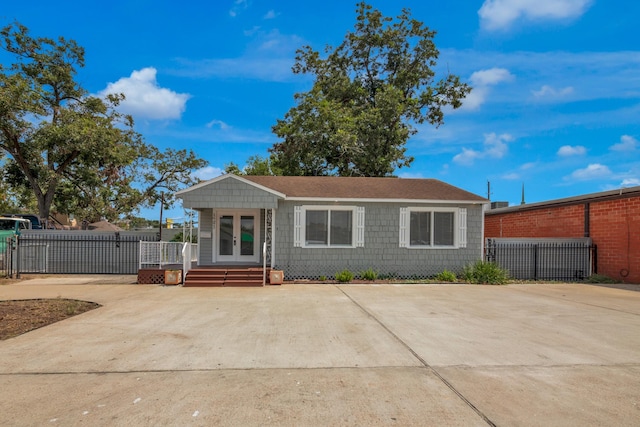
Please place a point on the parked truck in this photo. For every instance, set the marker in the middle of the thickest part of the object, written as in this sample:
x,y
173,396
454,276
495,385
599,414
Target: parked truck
x,y
10,227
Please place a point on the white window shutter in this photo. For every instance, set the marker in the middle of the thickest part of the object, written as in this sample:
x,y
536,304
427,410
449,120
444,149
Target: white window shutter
x,y
297,226
462,227
404,227
360,227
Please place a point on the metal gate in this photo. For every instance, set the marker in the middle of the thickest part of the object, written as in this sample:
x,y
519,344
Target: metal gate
x,y
75,252
544,259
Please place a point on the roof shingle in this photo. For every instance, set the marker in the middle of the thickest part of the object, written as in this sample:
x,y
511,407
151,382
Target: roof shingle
x,y
326,187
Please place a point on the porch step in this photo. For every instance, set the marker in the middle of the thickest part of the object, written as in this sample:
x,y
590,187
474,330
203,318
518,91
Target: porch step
x,y
217,276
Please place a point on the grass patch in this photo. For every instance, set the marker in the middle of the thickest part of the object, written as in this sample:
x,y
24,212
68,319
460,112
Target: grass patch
x,y
600,278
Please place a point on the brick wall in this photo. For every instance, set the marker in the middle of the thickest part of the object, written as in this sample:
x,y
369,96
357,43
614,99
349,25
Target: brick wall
x,y
566,221
614,227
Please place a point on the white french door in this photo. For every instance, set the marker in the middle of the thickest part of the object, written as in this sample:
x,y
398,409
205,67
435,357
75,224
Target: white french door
x,y
238,236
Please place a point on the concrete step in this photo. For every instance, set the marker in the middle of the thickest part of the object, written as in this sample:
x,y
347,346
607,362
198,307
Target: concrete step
x,y
225,277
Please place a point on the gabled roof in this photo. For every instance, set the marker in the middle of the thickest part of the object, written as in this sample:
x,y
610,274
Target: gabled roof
x,y
361,188
351,188
229,176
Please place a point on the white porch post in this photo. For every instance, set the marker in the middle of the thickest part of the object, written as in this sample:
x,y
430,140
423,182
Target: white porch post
x,y
273,237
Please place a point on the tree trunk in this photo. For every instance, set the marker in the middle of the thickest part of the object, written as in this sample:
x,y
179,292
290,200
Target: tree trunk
x,y
45,200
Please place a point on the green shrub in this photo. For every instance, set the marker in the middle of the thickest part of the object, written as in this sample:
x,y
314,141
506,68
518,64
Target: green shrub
x,y
446,276
344,276
323,278
485,273
600,278
369,274
180,238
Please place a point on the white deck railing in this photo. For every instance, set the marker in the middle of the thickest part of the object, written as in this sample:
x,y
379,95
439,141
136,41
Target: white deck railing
x,y
160,254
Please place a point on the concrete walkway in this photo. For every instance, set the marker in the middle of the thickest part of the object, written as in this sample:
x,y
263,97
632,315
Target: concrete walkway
x,y
530,355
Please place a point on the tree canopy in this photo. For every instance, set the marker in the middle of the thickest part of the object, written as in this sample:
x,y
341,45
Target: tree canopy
x,y
71,150
368,94
256,165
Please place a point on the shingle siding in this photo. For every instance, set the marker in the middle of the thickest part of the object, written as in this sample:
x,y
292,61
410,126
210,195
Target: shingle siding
x,y
381,250
229,194
205,244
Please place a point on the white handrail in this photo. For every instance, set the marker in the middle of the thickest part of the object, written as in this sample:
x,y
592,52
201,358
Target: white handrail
x,y
264,263
186,259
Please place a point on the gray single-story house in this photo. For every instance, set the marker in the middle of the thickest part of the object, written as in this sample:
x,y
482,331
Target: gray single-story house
x,y
311,227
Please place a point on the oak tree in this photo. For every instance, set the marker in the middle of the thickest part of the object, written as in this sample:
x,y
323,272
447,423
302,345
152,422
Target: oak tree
x,y
73,150
367,97
256,165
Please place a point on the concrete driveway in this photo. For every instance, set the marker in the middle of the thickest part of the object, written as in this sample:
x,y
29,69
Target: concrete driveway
x,y
529,355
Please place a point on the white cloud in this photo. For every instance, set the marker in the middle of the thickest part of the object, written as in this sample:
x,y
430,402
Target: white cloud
x,y
630,182
269,57
495,147
627,143
474,100
568,150
593,171
207,172
516,175
145,99
238,6
592,75
467,156
218,131
250,32
490,77
501,14
481,81
528,165
547,91
218,123
270,14
511,176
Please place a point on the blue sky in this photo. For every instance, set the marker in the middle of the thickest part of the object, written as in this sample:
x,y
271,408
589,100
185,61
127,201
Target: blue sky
x,y
555,106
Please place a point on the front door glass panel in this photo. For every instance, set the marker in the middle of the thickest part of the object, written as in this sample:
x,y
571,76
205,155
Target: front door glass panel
x,y
226,235
247,234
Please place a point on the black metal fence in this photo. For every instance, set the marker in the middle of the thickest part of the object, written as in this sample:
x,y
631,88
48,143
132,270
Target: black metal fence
x,y
5,257
565,260
77,252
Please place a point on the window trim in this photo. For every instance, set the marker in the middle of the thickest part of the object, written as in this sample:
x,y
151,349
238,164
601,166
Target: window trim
x,y
405,227
357,225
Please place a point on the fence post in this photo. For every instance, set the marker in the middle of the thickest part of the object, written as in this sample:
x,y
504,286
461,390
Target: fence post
x,y
17,257
535,262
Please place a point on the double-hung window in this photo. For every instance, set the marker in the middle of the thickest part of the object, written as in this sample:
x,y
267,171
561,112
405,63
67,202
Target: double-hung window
x,y
433,227
334,226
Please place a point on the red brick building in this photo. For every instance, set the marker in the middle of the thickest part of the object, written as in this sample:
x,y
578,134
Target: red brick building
x,y
611,219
